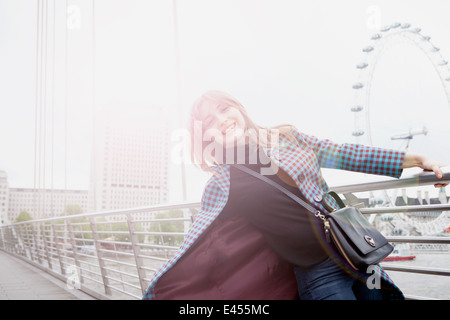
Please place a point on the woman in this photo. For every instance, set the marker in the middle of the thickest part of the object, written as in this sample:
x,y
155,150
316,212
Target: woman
x,y
250,241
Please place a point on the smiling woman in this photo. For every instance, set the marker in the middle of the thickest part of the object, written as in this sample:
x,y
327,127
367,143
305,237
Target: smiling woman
x,y
220,122
228,122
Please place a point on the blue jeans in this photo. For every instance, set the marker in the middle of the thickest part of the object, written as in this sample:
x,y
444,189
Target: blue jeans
x,y
327,281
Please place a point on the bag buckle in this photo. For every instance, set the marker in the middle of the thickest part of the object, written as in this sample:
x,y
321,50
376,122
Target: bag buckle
x,y
370,240
320,215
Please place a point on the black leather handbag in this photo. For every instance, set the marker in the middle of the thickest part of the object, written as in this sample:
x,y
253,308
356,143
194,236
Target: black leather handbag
x,y
355,238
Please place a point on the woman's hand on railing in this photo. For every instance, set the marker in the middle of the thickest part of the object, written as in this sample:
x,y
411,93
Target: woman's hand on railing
x,y
426,163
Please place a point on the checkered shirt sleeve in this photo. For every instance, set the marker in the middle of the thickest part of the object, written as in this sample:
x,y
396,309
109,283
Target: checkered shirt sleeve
x,y
355,157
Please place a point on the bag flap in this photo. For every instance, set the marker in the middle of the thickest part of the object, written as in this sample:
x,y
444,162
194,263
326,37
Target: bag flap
x,y
359,231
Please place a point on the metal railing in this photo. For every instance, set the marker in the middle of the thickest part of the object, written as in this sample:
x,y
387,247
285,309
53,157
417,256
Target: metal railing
x,y
113,254
110,254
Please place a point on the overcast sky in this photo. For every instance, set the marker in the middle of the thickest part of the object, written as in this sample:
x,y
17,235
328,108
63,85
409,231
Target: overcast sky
x,y
286,61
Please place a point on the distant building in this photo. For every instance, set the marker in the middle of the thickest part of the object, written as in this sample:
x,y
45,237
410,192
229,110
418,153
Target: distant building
x,y
39,203
44,203
404,200
4,198
130,158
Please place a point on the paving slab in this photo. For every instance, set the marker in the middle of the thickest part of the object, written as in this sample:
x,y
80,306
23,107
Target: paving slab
x,y
22,281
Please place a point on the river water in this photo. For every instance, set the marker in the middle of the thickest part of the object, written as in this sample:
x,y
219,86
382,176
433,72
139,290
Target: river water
x,y
428,286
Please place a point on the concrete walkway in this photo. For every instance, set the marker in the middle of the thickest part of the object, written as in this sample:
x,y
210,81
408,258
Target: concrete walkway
x,y
22,281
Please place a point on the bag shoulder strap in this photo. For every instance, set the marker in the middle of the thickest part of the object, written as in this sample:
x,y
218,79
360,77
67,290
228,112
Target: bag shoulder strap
x,y
337,198
276,185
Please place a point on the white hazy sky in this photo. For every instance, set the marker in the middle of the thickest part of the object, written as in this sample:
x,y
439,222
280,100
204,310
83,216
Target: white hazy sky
x,y
287,61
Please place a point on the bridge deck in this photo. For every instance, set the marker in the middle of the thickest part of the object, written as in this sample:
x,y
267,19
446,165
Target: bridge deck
x,y
22,281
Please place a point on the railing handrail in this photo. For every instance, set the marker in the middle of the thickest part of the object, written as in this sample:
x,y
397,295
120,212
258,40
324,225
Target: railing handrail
x,y
151,208
405,181
413,208
409,180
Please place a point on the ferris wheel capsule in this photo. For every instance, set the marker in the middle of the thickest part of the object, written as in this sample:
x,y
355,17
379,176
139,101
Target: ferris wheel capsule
x,y
376,36
387,217
356,108
367,49
442,63
362,65
405,26
385,28
395,25
358,85
357,133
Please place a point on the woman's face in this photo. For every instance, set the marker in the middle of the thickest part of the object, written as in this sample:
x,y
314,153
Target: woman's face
x,y
226,124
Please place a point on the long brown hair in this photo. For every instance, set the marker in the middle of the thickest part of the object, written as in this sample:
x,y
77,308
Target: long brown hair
x,y
215,98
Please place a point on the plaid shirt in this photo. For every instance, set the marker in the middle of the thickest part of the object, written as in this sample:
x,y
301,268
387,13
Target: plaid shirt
x,y
302,162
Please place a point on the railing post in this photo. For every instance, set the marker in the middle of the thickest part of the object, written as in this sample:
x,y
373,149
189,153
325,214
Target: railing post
x,y
2,245
137,251
55,239
49,261
74,246
36,248
7,246
11,238
101,264
25,242
162,238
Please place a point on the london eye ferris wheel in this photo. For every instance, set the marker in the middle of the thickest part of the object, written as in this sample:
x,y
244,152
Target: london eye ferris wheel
x,y
387,36
366,128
